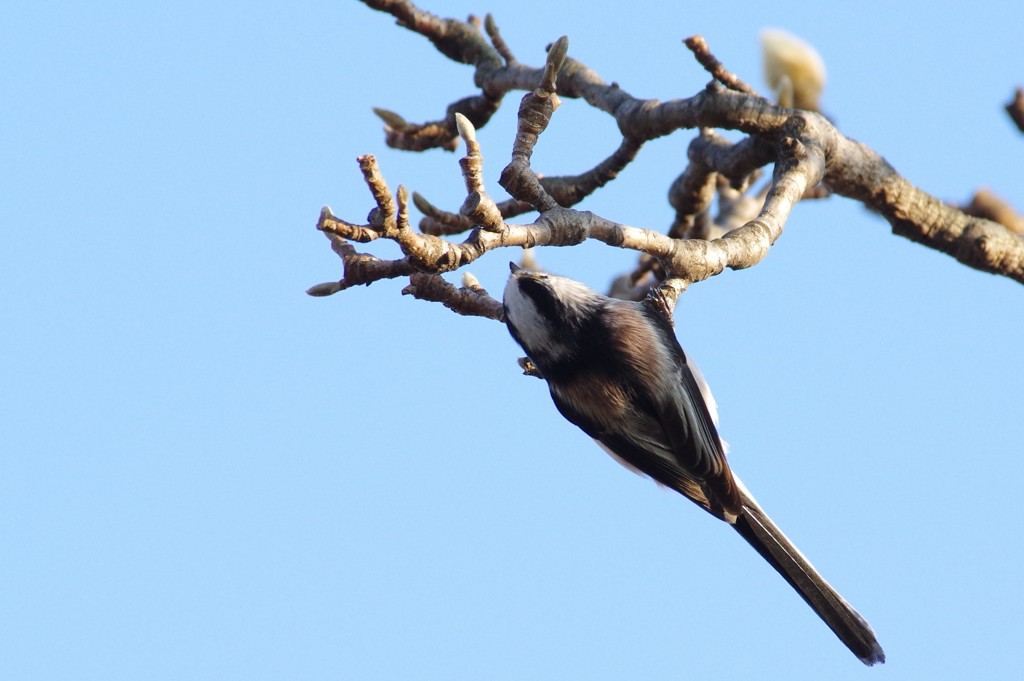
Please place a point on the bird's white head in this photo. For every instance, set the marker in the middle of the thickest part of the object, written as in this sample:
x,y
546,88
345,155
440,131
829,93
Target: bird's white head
x,y
543,311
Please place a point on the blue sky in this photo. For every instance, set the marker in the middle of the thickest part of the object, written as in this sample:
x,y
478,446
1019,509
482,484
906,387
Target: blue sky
x,y
206,474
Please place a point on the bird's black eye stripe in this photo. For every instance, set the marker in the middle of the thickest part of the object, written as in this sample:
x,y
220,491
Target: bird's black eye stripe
x,y
541,296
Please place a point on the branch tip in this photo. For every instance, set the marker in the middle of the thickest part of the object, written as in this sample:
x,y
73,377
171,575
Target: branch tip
x,y
325,289
702,53
558,50
556,58
466,129
491,26
391,119
422,204
1015,109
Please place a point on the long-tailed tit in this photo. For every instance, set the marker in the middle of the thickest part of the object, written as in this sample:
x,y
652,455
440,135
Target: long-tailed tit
x,y
616,370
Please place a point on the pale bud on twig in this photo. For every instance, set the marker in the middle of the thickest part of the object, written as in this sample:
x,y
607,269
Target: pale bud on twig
x,y
466,129
325,289
528,261
788,58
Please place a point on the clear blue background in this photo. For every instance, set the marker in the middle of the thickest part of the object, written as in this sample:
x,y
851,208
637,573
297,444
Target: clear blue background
x,y
206,474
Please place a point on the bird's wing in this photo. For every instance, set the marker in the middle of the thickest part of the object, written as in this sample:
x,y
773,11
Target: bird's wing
x,y
674,443
691,424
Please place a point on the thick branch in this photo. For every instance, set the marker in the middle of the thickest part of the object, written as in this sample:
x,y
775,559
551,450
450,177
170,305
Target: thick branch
x,y
860,173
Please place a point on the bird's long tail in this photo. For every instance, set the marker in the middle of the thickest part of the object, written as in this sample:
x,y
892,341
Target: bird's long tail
x,y
757,528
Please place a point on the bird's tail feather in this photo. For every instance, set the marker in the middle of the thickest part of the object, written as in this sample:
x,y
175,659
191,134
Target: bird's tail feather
x,y
757,528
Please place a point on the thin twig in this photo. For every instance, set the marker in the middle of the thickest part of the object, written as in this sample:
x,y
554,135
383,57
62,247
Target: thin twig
x,y
702,52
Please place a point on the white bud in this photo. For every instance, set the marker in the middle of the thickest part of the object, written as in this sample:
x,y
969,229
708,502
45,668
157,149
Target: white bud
x,y
788,58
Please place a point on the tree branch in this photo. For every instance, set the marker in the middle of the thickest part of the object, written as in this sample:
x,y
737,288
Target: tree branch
x,y
811,159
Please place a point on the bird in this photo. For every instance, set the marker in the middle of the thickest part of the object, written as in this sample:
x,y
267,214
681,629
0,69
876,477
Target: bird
x,y
616,370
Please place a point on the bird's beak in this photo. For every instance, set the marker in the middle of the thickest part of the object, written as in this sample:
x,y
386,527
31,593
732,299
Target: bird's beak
x,y
514,267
